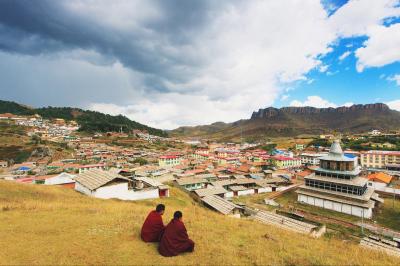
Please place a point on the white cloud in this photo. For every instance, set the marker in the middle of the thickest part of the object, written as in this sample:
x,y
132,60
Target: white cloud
x,y
314,101
323,68
357,17
344,55
318,102
365,18
284,97
395,105
395,78
381,48
243,69
348,104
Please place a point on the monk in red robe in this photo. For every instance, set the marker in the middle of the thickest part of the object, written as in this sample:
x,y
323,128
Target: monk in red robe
x,y
175,239
153,226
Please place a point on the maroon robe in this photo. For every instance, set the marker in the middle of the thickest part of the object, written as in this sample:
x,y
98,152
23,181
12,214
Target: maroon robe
x,y
153,227
175,239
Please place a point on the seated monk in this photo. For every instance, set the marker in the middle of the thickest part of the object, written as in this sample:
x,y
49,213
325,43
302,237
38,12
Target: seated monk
x,y
153,226
175,239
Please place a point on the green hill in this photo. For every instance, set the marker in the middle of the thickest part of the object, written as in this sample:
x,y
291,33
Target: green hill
x,y
89,121
43,225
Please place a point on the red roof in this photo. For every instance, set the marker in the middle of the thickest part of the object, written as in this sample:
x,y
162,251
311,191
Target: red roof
x,y
284,158
169,157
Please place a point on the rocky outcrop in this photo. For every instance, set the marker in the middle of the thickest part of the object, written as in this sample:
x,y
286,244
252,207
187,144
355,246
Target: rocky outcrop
x,y
272,112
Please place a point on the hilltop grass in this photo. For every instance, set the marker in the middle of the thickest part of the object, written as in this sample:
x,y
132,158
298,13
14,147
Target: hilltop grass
x,y
53,225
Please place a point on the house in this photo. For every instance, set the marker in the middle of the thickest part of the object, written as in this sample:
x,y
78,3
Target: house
x,y
284,162
203,192
379,159
379,180
308,158
169,160
88,167
3,164
7,116
192,183
63,179
222,205
107,185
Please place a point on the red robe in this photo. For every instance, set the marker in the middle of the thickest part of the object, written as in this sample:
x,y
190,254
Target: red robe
x,y
175,239
153,227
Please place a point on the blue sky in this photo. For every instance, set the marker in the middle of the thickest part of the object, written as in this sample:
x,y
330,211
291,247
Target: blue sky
x,y
171,63
341,83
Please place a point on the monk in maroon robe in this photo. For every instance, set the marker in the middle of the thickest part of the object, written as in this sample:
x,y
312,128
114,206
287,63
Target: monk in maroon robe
x,y
153,226
175,239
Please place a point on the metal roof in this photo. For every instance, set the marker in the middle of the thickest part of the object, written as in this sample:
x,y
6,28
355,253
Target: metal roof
x,y
237,188
210,191
190,180
222,205
95,178
150,181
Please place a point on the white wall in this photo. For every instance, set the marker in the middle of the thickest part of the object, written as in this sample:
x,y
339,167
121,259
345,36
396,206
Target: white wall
x,y
246,192
376,185
79,187
228,194
336,206
265,189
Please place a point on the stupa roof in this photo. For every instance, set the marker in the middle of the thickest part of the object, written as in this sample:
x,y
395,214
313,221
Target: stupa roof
x,y
336,153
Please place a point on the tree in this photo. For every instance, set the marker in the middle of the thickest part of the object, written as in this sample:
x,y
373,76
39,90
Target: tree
x,y
35,139
140,161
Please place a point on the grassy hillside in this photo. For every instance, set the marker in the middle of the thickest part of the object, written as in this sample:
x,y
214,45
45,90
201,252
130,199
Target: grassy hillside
x,y
51,225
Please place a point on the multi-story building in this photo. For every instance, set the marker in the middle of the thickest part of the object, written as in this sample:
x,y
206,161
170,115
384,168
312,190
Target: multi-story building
x,y
337,185
380,159
311,158
283,162
169,160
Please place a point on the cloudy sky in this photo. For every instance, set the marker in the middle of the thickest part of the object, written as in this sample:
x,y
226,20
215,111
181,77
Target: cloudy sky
x,y
170,63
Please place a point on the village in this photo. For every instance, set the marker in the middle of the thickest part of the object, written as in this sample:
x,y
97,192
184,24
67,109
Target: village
x,y
299,186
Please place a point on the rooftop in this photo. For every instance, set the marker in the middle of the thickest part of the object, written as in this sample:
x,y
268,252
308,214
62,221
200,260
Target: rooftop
x,y
95,178
203,192
222,205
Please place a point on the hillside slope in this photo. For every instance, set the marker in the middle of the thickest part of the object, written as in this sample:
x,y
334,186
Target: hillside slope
x,y
52,225
90,121
294,121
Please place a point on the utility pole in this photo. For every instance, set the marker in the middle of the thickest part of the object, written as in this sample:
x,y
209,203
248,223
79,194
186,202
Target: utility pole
x,y
394,195
362,222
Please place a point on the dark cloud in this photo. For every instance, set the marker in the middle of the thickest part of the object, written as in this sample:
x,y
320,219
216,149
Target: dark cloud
x,y
44,26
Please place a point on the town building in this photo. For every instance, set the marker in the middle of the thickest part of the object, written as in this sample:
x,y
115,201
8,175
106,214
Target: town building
x,y
311,158
88,167
284,162
192,183
337,185
222,205
379,180
63,179
380,159
107,185
169,160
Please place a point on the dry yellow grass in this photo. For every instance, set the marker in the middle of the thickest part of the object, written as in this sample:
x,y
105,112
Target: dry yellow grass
x,y
51,225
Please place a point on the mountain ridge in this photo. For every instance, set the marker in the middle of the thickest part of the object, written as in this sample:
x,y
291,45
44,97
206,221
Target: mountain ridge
x,y
294,121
